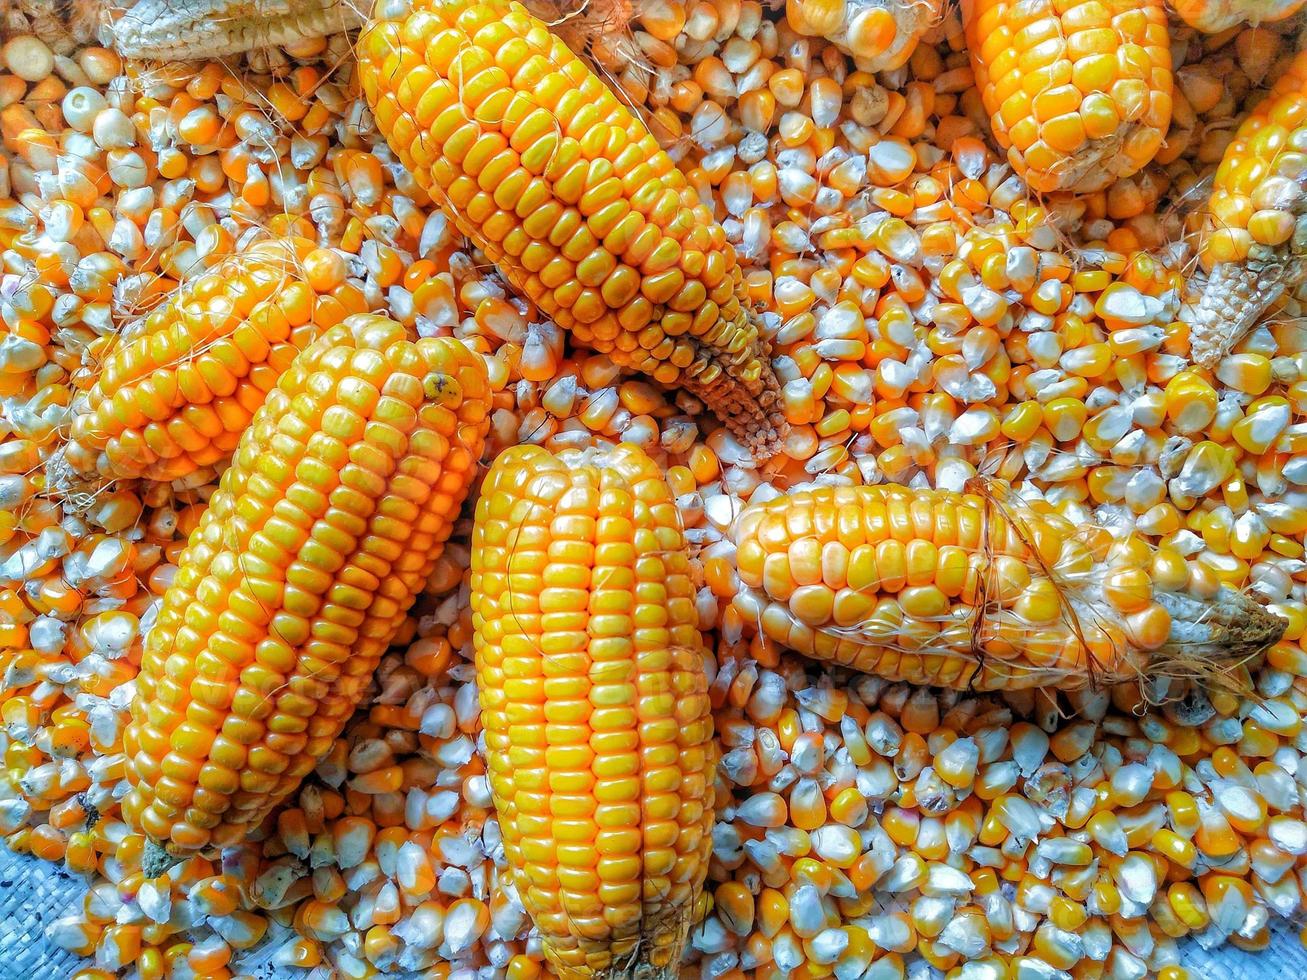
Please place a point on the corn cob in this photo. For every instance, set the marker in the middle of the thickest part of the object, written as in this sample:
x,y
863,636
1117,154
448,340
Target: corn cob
x,y
1078,95
1255,228
190,29
965,591
1214,16
175,395
562,187
325,527
880,34
594,704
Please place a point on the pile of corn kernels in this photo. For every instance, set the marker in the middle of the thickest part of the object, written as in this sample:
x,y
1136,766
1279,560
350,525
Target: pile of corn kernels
x,y
931,321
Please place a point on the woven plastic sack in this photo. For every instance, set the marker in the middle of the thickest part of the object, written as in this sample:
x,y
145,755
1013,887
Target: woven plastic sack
x,y
32,893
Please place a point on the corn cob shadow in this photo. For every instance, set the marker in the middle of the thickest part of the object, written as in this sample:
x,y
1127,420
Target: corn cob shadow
x,y
322,532
568,193
980,591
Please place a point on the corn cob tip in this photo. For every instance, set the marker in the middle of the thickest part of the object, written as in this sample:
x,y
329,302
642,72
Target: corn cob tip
x,y
1229,303
155,858
1231,627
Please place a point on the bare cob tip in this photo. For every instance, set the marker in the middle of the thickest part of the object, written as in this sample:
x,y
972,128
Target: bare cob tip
x,y
155,859
1230,302
1231,628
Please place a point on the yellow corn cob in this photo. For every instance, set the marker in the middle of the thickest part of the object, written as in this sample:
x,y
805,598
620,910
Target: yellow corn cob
x,y
325,527
594,704
1214,16
561,186
879,34
1255,227
973,592
176,395
1079,94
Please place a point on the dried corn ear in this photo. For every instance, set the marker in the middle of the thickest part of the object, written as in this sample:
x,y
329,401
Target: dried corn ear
x,y
594,704
174,394
1078,94
568,193
981,591
325,527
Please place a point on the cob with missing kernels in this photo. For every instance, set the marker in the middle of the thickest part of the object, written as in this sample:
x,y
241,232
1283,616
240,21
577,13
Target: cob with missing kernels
x,y
568,193
192,29
324,529
595,707
976,593
1254,233
1078,94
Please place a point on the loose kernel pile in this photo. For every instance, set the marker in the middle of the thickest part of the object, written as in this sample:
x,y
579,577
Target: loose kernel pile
x,y
930,320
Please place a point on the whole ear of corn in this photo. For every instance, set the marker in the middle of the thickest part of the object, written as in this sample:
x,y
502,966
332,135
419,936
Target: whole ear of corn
x,y
880,34
1254,237
594,704
1079,94
1214,16
970,592
325,527
176,394
568,193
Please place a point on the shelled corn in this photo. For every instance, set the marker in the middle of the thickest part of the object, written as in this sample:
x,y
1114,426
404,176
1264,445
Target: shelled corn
x,y
1214,16
931,322
1078,96
301,571
174,394
594,704
1255,228
980,591
567,191
879,34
